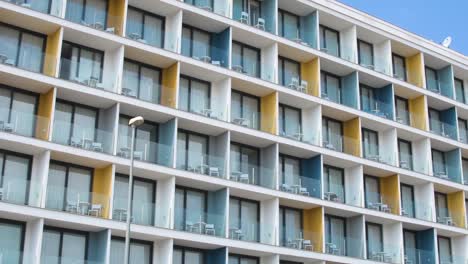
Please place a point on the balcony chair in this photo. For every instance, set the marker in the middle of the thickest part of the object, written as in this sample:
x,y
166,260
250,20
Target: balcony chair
x,y
98,26
307,245
189,226
385,208
324,96
291,244
244,178
260,24
213,171
372,206
303,191
76,142
244,18
294,83
96,146
238,234
1,193
138,155
332,249
303,86
8,127
96,209
286,188
210,229
216,63
71,207
238,68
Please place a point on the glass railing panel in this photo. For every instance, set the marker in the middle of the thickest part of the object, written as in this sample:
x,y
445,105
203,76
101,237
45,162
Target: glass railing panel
x,y
96,18
77,201
145,150
198,106
255,175
52,7
55,259
204,52
443,129
441,170
296,238
88,138
333,141
8,255
388,253
449,217
334,192
408,208
152,36
371,152
250,119
418,256
217,6
454,259
31,59
249,67
206,164
19,191
344,246
143,211
142,88
87,74
403,117
406,161
203,223
24,124
295,83
376,201
299,184
378,108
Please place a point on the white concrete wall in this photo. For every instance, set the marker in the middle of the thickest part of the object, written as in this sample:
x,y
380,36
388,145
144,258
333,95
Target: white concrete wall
x,y
113,69
348,44
38,186
354,185
269,213
162,251
383,57
172,39
165,200
393,241
269,63
312,124
388,146
422,161
460,246
221,98
33,241
424,201
222,7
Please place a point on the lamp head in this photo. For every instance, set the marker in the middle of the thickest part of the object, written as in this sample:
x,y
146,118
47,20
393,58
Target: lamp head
x,y
136,121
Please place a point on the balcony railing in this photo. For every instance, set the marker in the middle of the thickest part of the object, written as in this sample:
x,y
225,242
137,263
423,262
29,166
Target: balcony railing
x,y
204,223
334,192
418,256
20,191
252,231
87,73
145,150
371,152
52,7
441,170
296,238
377,201
252,174
378,108
25,124
205,52
31,60
251,119
211,165
295,83
143,212
344,246
298,184
96,18
387,252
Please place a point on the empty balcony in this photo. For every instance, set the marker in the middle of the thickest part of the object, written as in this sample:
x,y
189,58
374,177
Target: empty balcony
x,y
259,14
343,236
450,208
206,46
78,190
83,127
143,202
141,251
381,194
447,165
419,246
199,211
298,23
12,241
182,254
145,27
299,175
102,15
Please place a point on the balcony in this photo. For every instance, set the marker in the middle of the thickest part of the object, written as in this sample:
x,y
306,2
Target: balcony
x,y
23,192
299,239
383,252
299,184
258,14
145,150
219,7
143,211
334,192
344,246
51,7
24,123
84,71
95,15
201,163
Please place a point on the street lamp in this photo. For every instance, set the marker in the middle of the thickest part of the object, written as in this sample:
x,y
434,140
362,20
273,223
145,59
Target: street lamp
x,y
134,123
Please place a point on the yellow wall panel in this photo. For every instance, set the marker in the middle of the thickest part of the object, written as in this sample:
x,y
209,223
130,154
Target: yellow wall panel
x,y
415,70
310,72
352,136
418,112
456,207
269,113
52,55
102,188
313,223
170,82
390,190
44,113
116,16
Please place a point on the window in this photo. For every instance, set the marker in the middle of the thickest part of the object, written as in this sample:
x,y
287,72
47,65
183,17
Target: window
x,y
370,143
246,59
143,201
335,235
67,186
289,72
290,171
407,200
399,67
462,130
17,111
245,109
432,80
366,53
192,150
438,163
15,175
402,110
465,172
196,43
190,208
410,246
142,81
81,64
332,131
434,121
374,236
11,241
445,249
289,25
22,48
405,154
186,255
331,87
334,188
372,191
88,12
205,4
141,252
290,222
146,140
245,160
441,205
43,6
241,259
459,91
244,217
194,95
145,27
74,123
330,41
368,101
290,122
63,245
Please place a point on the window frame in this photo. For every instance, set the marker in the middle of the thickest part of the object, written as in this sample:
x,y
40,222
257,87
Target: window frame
x,y
406,101
63,231
403,60
189,90
245,46
281,158
3,155
281,22
367,235
283,209
13,90
141,65
367,176
193,29
23,227
404,141
462,86
83,13
80,48
183,249
281,62
185,190
239,201
327,168
240,257
139,241
145,13
370,131
322,36
187,134
413,206
244,94
283,116
371,45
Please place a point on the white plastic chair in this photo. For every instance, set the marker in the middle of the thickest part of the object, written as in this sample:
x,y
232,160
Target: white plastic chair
x,y
260,24
96,209
244,18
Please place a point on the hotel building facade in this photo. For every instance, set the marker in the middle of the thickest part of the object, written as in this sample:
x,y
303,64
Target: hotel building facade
x,y
276,132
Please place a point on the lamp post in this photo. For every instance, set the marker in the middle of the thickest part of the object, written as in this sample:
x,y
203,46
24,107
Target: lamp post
x,y
133,123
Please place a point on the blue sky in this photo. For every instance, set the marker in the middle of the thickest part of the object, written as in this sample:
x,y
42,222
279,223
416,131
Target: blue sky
x,y
432,19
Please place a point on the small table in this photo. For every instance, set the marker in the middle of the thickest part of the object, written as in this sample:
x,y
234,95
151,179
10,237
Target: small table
x,y
235,175
206,59
120,212
330,196
134,36
82,206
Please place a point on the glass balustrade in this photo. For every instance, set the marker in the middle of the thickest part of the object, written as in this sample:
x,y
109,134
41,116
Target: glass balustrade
x,y
296,238
24,124
145,150
300,185
19,191
207,164
252,174
203,223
